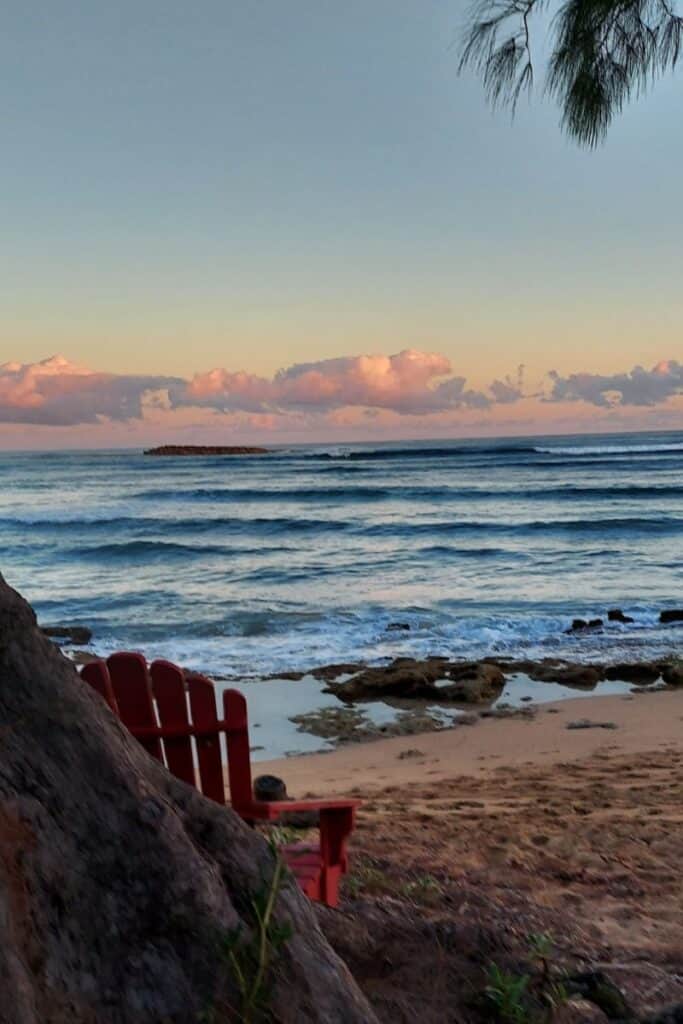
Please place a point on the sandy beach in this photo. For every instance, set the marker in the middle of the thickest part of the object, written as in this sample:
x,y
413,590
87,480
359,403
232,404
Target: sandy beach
x,y
474,840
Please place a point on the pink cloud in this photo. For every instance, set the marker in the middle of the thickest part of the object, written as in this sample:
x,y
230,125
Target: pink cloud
x,y
404,382
639,387
60,393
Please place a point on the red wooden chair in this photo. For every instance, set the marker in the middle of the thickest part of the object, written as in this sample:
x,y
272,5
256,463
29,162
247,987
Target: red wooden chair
x,y
97,674
132,691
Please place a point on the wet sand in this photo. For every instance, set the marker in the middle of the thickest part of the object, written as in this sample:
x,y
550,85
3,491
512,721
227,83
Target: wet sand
x,y
644,723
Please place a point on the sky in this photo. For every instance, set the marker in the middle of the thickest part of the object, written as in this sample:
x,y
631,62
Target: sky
x,y
255,220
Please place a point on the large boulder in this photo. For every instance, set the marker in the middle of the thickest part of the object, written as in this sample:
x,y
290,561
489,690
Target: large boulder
x,y
672,673
581,677
403,678
69,634
641,672
475,685
464,681
123,892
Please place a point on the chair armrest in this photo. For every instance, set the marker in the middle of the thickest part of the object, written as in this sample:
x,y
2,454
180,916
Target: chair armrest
x,y
337,820
272,810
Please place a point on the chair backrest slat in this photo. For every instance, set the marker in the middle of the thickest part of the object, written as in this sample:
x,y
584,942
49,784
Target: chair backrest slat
x,y
203,708
97,675
133,692
168,685
239,764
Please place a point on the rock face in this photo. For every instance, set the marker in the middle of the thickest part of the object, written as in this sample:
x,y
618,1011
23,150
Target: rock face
x,y
119,885
198,449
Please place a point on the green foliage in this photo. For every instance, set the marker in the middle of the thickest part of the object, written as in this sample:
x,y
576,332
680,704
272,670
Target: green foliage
x,y
529,998
603,53
422,889
555,995
505,991
281,835
251,955
366,879
541,948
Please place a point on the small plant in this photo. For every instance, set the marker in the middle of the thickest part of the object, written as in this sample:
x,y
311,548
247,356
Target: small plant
x,y
506,991
541,948
368,880
281,835
251,957
555,995
424,888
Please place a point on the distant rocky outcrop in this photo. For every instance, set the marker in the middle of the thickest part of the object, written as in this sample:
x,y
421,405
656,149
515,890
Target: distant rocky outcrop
x,y
201,449
120,887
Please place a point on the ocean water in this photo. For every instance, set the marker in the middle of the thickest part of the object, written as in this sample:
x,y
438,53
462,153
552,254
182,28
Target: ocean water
x,y
244,566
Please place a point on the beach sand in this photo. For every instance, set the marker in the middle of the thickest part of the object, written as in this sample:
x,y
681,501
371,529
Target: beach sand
x,y
487,834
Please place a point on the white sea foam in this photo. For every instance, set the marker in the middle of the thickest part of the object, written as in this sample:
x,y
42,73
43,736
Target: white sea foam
x,y
609,449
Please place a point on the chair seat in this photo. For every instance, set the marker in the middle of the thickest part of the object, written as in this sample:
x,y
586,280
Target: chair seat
x,y
305,862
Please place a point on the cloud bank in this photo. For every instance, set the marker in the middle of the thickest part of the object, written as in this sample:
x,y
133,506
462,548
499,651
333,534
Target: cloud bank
x,y
638,388
336,392
403,383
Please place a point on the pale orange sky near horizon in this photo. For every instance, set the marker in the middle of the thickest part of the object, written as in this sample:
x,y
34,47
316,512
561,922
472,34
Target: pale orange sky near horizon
x,y
411,394
255,187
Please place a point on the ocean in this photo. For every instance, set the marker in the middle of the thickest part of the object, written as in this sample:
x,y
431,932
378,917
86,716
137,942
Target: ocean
x,y
246,566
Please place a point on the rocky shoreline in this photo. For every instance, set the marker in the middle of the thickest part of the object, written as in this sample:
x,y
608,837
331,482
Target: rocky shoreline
x,y
443,680
438,693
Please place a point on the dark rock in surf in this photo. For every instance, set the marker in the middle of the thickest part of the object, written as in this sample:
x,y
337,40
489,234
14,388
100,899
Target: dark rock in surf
x,y
671,615
69,634
343,668
581,625
673,674
616,615
395,627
